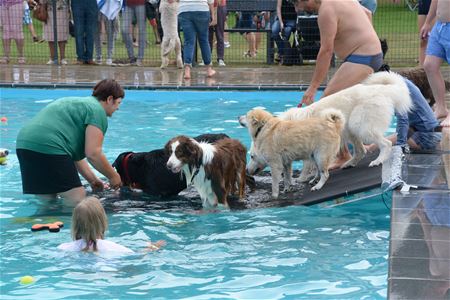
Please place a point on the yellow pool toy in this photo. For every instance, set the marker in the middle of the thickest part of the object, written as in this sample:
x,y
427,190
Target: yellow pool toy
x,y
27,280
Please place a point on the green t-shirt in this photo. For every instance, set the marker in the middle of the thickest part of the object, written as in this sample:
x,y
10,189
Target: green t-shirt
x,y
60,127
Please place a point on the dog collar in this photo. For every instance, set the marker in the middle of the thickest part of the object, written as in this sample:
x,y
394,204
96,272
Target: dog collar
x,y
125,167
259,130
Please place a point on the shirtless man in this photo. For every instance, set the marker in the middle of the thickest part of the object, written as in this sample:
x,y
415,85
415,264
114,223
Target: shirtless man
x,y
346,29
438,49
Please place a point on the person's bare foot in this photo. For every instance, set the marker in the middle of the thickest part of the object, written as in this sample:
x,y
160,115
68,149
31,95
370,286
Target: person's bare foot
x,y
339,162
210,72
187,72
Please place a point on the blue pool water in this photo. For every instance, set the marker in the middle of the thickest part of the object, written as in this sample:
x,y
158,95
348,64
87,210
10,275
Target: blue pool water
x,y
292,252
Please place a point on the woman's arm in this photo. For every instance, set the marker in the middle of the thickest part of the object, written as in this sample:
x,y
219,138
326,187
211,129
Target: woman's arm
x,y
86,171
95,156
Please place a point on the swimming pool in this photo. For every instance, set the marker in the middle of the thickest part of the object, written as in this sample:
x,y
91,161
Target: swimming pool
x,y
292,252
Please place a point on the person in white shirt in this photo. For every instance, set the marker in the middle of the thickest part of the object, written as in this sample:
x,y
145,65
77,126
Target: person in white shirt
x,y
89,223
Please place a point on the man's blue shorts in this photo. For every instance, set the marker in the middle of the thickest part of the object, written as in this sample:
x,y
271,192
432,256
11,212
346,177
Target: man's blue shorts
x,y
439,41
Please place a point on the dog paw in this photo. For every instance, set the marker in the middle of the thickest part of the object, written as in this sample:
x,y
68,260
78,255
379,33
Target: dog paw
x,y
289,189
374,163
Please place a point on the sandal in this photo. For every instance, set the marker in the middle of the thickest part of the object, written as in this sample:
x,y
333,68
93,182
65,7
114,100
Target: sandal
x,y
4,60
21,60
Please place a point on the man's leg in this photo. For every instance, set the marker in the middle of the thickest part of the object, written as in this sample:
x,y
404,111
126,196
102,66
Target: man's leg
x,y
432,66
346,76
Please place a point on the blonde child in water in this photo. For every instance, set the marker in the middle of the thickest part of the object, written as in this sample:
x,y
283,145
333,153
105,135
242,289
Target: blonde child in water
x,y
89,223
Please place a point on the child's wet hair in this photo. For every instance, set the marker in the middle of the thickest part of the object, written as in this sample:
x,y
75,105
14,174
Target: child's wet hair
x,y
89,222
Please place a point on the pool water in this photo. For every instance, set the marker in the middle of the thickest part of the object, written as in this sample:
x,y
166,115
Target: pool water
x,y
292,252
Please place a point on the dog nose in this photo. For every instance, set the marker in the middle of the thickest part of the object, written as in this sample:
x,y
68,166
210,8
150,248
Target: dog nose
x,y
6,152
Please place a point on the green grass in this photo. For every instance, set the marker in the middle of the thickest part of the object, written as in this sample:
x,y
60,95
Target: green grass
x,y
396,23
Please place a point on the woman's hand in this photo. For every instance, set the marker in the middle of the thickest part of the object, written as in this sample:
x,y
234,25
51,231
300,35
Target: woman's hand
x,y
97,185
115,182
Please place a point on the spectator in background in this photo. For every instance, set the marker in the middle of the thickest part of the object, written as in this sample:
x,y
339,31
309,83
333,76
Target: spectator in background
x,y
194,17
438,50
110,23
11,12
220,6
151,12
245,21
85,16
27,20
134,9
424,7
283,26
62,27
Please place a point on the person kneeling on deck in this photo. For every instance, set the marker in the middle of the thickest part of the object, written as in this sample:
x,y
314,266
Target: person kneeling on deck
x,y
417,129
52,146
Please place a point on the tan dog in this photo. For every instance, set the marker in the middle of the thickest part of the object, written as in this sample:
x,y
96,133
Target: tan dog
x,y
171,40
277,143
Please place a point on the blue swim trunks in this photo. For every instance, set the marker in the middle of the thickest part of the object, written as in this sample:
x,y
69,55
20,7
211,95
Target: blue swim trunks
x,y
373,61
439,41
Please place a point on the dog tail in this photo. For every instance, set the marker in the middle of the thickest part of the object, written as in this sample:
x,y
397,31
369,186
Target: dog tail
x,y
400,96
335,117
170,47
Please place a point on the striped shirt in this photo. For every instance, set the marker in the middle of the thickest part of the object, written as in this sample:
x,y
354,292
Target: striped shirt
x,y
194,5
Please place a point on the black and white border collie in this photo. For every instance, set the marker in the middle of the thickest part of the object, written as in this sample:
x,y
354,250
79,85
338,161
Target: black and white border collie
x,y
147,171
216,170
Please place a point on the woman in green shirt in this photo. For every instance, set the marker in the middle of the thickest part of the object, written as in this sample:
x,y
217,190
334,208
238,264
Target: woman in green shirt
x,y
52,146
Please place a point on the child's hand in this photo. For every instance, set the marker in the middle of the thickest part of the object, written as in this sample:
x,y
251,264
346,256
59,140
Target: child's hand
x,y
155,246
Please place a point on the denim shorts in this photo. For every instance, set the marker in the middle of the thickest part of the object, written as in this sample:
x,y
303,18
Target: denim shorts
x,y
26,17
426,140
439,41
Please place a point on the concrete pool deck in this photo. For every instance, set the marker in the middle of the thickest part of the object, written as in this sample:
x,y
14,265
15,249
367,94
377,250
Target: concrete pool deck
x,y
419,255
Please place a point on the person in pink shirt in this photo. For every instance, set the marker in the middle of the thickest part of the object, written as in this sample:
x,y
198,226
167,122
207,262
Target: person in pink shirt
x,y
11,13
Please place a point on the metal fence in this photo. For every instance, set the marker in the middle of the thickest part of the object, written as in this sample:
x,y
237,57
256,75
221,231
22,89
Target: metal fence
x,y
396,22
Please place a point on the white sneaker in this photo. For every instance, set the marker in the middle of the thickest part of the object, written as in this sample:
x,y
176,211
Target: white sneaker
x,y
221,63
63,62
139,62
109,62
226,44
51,62
201,63
98,61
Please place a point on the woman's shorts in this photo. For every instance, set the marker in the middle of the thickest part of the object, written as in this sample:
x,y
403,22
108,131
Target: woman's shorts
x,y
26,17
47,173
424,7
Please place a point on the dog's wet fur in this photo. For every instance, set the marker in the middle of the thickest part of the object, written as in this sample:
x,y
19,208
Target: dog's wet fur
x,y
147,170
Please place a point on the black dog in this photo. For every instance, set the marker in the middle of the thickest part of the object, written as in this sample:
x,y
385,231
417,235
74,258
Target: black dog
x,y
147,170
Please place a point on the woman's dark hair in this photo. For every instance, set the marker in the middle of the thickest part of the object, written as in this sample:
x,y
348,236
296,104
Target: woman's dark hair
x,y
108,87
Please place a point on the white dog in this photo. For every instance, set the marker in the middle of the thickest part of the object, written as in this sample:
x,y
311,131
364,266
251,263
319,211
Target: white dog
x,y
171,40
368,109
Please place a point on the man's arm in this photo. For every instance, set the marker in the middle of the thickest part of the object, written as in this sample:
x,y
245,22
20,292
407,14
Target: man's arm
x,y
327,21
426,28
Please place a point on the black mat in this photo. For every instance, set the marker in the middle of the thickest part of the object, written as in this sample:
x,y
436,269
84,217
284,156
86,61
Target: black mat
x,y
341,183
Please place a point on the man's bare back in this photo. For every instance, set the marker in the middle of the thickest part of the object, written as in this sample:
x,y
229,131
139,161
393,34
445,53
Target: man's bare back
x,y
354,33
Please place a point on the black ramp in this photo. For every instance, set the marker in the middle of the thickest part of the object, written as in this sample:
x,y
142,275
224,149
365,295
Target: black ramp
x,y
341,183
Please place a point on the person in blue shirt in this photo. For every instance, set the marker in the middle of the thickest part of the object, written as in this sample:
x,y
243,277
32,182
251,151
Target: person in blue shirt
x,y
417,129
